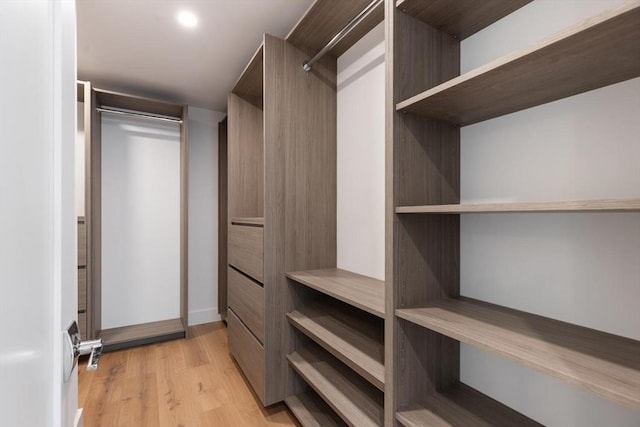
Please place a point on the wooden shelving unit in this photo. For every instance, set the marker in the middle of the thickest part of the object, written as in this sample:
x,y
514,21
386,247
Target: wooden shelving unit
x,y
356,401
605,364
610,205
355,289
146,333
555,67
427,103
356,342
462,406
311,411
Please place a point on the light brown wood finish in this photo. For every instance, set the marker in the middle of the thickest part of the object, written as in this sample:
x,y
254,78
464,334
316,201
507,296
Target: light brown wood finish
x,y
326,18
126,336
360,291
357,402
248,352
554,66
356,341
82,242
82,325
462,406
602,363
460,18
246,299
246,250
609,205
245,153
250,83
222,218
93,197
422,163
312,411
82,290
184,218
192,382
138,103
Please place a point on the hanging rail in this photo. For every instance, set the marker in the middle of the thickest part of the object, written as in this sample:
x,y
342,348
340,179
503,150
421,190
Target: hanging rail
x,y
306,65
104,109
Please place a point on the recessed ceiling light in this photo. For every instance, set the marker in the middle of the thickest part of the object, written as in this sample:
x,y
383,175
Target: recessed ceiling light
x,y
187,19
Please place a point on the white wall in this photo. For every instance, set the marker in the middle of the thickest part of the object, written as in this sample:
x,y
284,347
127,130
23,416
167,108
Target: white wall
x,y
37,249
140,221
203,215
203,209
360,157
580,268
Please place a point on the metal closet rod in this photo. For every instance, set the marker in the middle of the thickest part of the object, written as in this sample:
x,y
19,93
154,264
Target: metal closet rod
x,y
104,109
306,65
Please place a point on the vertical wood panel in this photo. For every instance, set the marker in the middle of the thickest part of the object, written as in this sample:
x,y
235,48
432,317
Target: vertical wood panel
x,y
222,218
93,209
184,220
422,251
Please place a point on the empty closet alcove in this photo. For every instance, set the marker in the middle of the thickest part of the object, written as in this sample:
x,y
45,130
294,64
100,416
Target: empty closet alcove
x,y
135,152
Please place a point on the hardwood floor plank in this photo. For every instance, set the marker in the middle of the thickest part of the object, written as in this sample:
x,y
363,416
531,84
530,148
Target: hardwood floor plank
x,y
191,382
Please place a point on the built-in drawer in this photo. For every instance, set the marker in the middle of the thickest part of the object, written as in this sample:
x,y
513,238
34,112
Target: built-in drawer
x,y
82,325
247,351
246,298
246,250
82,242
82,289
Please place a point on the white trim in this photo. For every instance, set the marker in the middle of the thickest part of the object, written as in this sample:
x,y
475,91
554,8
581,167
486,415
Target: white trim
x,y
78,421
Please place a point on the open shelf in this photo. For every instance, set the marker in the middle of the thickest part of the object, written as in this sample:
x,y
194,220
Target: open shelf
x,y
356,401
462,406
606,45
324,19
145,333
459,18
311,411
250,84
356,342
357,290
610,205
251,221
602,363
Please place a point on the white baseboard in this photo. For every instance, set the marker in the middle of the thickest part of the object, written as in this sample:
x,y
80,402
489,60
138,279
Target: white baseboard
x,y
207,315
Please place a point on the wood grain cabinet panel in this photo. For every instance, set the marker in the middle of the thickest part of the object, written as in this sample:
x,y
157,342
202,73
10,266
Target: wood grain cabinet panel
x,y
247,351
82,289
82,242
246,299
246,251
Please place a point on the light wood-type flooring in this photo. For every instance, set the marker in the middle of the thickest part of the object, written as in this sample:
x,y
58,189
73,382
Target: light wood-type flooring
x,y
181,383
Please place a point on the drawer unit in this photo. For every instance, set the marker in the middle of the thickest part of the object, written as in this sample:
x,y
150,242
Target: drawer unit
x,y
246,299
248,352
246,250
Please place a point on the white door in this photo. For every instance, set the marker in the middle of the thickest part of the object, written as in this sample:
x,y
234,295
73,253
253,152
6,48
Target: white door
x,y
37,224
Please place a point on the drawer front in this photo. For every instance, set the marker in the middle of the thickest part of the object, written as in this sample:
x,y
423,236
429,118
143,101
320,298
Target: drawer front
x,y
82,289
246,299
246,250
82,325
82,243
248,353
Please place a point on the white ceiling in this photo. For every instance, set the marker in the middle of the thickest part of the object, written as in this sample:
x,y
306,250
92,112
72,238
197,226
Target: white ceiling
x,y
137,46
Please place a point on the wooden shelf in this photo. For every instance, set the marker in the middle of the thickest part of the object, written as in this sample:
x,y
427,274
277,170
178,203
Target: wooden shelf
x,y
611,205
459,18
324,19
311,411
462,406
359,291
605,364
355,400
356,342
250,84
593,54
145,333
251,221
